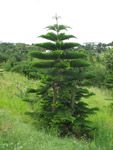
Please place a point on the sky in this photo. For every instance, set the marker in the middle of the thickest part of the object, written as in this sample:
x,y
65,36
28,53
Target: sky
x,y
24,20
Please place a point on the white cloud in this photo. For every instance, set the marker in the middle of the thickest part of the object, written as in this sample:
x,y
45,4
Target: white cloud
x,y
24,20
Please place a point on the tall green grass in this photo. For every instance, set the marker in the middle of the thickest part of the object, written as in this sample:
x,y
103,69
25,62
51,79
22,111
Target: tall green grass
x,y
12,88
18,134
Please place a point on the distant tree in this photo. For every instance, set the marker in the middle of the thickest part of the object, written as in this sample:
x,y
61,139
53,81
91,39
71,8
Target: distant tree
x,y
63,84
101,47
94,50
110,44
108,57
108,62
3,58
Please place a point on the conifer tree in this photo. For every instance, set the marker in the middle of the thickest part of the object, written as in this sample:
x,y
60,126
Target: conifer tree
x,y
63,83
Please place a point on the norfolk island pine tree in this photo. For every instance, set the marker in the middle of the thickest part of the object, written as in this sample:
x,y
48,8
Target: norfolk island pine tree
x,y
63,84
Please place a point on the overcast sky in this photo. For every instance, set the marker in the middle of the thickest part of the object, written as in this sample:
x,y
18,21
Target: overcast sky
x,y
24,20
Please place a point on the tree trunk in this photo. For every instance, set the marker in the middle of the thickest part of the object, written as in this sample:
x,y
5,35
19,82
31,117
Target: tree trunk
x,y
54,96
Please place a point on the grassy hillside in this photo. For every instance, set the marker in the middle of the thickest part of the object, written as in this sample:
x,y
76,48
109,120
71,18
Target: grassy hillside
x,y
11,88
17,133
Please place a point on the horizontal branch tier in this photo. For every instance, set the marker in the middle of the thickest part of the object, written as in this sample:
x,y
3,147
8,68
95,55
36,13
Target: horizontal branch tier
x,y
58,45
54,37
57,55
60,64
57,27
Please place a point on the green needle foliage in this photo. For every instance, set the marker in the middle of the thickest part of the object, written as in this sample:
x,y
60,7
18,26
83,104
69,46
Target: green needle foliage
x,y
63,84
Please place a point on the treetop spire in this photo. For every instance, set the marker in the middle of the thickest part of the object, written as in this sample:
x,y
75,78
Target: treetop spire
x,y
56,17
